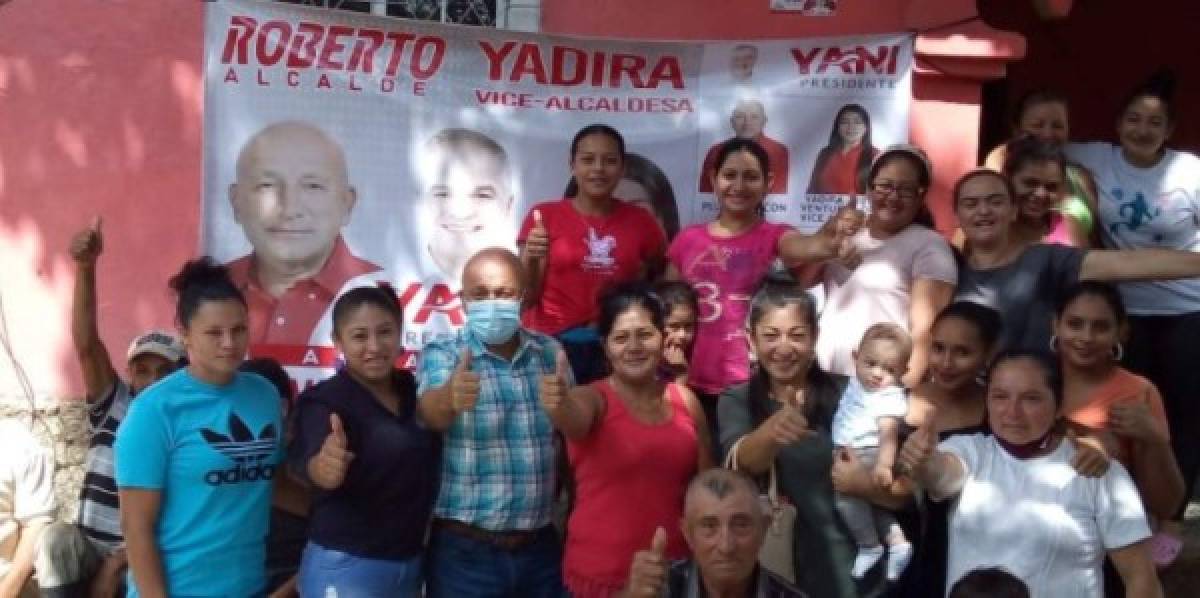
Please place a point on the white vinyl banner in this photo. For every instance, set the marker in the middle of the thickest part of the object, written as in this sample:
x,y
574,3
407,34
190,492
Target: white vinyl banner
x,y
343,149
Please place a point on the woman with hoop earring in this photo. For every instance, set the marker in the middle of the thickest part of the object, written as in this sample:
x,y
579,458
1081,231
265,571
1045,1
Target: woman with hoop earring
x,y
1104,400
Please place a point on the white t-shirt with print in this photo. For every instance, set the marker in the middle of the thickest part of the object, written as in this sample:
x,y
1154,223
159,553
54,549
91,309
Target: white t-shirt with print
x,y
1147,207
1039,519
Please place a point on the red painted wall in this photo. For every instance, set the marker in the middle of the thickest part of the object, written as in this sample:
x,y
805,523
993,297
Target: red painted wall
x,y
100,112
1096,56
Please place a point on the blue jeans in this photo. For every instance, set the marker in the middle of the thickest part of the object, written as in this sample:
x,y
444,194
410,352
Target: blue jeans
x,y
326,573
460,567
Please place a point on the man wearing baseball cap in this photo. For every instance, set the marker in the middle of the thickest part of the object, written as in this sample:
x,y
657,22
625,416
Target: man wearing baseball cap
x,y
91,555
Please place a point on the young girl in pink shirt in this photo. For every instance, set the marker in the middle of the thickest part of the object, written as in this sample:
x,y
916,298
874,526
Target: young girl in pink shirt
x,y
726,260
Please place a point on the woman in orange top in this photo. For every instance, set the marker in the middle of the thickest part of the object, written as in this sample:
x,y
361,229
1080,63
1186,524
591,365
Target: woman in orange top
x,y
841,167
1106,400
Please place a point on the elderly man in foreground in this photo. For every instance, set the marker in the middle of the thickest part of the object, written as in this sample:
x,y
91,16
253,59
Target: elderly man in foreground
x,y
724,524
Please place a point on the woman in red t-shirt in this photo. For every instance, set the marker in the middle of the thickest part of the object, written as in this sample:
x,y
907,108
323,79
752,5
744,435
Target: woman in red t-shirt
x,y
841,167
634,442
574,247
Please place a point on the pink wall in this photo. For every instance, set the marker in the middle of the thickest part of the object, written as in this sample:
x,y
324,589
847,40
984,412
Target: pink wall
x,y
100,112
956,53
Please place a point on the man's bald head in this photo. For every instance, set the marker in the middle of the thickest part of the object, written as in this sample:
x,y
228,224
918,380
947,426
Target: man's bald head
x,y
719,483
749,118
493,273
724,523
292,196
288,133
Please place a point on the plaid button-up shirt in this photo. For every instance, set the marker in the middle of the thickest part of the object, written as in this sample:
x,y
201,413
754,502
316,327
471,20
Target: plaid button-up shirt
x,y
498,459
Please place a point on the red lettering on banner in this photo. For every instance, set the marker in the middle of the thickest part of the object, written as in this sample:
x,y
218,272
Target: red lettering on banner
x,y
598,69
303,51
297,354
529,61
558,68
362,57
237,39
323,82
353,87
293,79
334,47
495,57
803,60
419,88
398,41
409,293
505,98
329,52
441,300
231,76
880,60
435,62
570,67
630,65
263,51
262,81
667,68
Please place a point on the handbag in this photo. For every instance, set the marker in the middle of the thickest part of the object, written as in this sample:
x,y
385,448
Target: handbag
x,y
778,551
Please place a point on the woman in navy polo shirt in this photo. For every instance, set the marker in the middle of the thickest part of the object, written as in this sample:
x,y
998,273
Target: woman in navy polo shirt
x,y
372,467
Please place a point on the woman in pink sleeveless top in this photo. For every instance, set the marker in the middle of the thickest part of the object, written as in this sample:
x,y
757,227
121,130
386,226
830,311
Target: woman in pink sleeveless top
x,y
634,442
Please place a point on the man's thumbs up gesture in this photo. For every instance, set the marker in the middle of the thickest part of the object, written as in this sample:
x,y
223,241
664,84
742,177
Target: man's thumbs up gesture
x,y
552,389
464,384
648,574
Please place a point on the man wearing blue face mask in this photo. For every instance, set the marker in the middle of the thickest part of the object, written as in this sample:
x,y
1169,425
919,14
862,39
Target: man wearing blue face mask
x,y
486,390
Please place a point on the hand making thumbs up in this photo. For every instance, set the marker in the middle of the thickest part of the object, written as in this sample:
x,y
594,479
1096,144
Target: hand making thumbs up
x,y
648,573
328,468
789,424
464,384
552,389
918,449
88,244
537,242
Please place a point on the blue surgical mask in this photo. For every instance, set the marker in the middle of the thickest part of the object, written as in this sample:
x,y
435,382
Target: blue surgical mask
x,y
494,321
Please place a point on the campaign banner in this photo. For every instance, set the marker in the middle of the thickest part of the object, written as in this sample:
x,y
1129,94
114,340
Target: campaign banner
x,y
343,149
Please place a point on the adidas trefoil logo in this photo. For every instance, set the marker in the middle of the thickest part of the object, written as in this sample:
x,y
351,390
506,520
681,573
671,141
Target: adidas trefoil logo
x,y
245,450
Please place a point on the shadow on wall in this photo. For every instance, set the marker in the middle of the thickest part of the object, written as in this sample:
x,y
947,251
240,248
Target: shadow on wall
x,y
100,113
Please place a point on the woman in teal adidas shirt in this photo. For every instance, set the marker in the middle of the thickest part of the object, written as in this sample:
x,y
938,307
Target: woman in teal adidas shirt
x,y
196,454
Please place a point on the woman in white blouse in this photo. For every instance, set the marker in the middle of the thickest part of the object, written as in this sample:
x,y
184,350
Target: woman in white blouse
x,y
1019,504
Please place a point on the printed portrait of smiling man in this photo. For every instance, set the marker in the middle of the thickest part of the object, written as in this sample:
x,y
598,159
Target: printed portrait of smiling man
x,y
466,195
292,196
